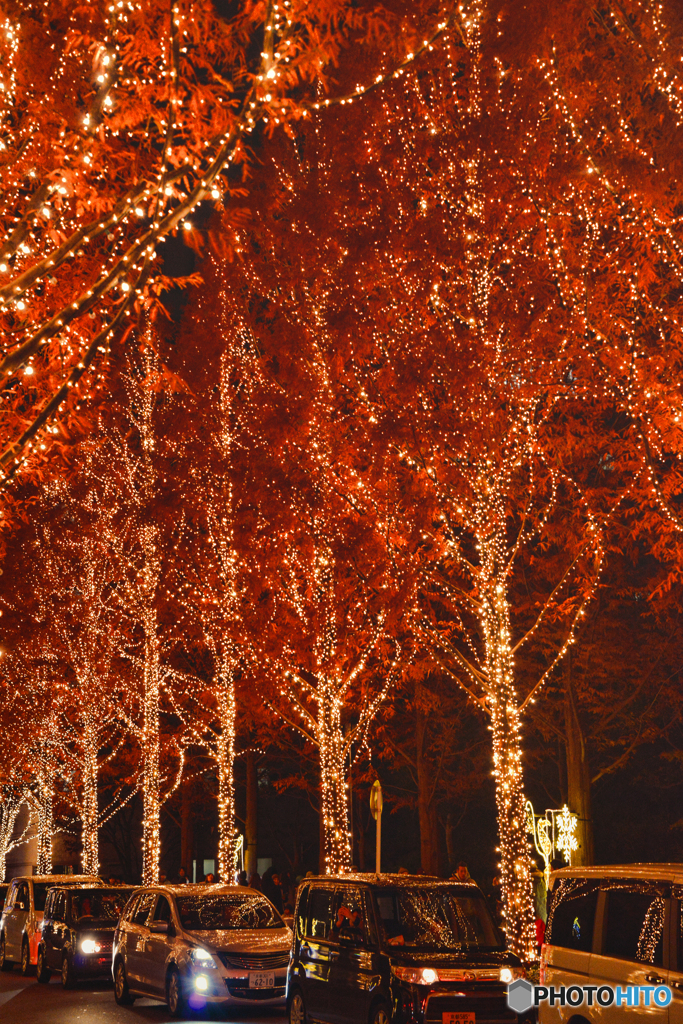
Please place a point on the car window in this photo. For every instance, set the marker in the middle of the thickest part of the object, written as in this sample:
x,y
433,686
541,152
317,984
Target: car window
x,y
98,904
131,908
58,906
349,918
143,908
227,912
572,914
162,911
634,927
435,917
370,925
23,895
301,910
40,891
11,895
320,902
4,889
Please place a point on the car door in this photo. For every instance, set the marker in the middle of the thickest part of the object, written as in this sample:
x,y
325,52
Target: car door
x,y
157,946
354,967
136,938
317,950
631,949
48,929
15,922
59,927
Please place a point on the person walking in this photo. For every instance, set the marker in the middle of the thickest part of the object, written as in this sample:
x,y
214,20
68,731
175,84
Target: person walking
x,y
255,882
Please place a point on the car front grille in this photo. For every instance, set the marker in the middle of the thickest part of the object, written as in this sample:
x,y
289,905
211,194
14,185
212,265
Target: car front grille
x,y
261,962
240,992
488,1007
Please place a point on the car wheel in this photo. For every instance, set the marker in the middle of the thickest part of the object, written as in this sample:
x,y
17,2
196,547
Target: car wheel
x,y
68,976
5,964
43,972
297,1008
380,1013
121,991
175,999
25,958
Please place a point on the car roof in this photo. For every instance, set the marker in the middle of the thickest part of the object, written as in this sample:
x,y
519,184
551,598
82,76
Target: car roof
x,y
78,886
59,879
200,889
660,872
389,880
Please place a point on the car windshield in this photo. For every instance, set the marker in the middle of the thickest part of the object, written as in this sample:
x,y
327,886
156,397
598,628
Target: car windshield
x,y
227,912
435,917
40,895
100,904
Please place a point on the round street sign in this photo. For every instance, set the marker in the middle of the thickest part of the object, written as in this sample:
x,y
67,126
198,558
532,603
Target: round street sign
x,y
376,800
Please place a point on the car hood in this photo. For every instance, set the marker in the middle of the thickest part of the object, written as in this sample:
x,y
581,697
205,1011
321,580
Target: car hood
x,y
96,930
456,960
276,940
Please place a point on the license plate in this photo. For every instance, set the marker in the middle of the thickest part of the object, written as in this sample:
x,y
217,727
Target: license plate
x,y
266,979
458,1017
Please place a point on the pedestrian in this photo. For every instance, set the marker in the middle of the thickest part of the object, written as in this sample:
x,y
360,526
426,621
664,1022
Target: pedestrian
x,y
242,878
182,878
462,874
403,871
270,887
255,882
210,878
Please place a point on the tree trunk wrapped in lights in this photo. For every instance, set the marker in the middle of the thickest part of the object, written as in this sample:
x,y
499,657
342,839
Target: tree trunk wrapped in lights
x,y
12,799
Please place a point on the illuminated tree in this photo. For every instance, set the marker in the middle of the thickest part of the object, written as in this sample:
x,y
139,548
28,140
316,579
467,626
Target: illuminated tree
x,y
129,466
117,121
12,799
210,569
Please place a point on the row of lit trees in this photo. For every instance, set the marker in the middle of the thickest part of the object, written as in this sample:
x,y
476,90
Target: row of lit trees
x,y
444,360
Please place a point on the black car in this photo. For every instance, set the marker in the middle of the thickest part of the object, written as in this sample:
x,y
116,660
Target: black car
x,y
400,948
78,930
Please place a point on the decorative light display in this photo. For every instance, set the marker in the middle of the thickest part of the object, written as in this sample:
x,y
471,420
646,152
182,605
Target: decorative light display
x,y
566,842
554,832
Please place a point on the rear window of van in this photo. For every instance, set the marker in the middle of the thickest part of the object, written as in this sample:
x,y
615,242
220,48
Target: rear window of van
x,y
571,918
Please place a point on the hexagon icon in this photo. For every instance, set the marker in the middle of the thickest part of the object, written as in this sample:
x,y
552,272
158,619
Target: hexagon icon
x,y
520,996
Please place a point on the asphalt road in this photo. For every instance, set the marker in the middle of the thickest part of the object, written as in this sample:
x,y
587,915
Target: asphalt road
x,y
24,1001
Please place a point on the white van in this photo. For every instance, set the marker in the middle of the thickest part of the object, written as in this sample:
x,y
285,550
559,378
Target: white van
x,y
615,927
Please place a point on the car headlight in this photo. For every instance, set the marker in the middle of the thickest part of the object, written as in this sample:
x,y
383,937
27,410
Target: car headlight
x,y
90,946
202,959
509,974
417,975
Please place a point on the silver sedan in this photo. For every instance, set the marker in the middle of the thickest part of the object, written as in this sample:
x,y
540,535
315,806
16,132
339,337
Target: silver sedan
x,y
189,945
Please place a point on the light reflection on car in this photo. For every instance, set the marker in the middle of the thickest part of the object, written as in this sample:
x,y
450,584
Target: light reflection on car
x,y
209,944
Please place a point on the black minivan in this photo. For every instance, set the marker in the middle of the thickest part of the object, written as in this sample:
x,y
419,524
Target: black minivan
x,y
78,931
409,949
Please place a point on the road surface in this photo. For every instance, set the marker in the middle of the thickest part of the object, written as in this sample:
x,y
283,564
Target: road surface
x,y
24,1001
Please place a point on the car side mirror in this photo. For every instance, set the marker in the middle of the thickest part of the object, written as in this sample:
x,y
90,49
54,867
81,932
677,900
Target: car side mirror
x,y
159,928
